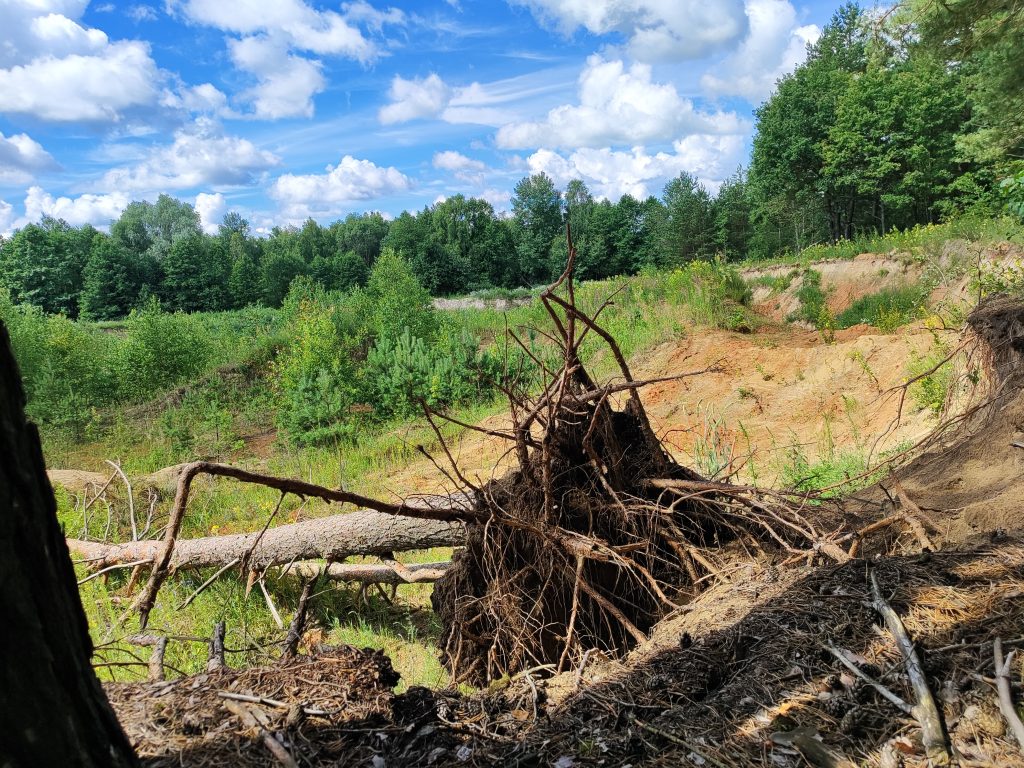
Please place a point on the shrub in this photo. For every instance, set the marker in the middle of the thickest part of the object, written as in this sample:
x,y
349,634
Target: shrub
x,y
315,373
403,372
887,309
813,308
932,389
160,350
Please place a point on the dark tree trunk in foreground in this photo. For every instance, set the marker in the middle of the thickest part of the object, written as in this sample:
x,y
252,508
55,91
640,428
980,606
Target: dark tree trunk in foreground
x,y
52,708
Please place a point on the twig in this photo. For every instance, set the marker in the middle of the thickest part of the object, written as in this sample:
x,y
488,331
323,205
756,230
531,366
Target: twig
x,y
270,604
263,531
269,741
131,500
1005,696
208,582
933,727
110,568
156,660
892,697
215,659
816,753
291,642
676,740
311,711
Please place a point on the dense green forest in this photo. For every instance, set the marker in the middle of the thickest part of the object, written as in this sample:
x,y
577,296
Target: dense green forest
x,y
892,121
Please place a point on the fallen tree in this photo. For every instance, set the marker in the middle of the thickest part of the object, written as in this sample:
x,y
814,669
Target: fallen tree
x,y
333,538
594,537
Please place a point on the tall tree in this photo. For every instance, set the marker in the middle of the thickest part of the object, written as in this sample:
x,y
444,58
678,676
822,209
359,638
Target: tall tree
x,y
196,275
732,217
53,709
111,283
688,233
362,234
537,211
793,205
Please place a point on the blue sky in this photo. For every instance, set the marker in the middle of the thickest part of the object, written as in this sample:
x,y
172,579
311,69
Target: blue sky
x,y
286,109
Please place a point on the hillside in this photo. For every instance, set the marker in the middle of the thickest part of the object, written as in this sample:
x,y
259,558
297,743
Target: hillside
x,y
776,405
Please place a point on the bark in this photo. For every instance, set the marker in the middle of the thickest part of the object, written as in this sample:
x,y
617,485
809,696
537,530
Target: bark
x,y
373,573
333,538
53,710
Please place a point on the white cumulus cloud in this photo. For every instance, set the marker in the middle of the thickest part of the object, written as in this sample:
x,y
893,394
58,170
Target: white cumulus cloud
x,y
617,105
21,157
199,156
449,160
774,47
98,210
6,217
415,98
461,167
211,208
610,173
351,180
274,38
655,30
54,68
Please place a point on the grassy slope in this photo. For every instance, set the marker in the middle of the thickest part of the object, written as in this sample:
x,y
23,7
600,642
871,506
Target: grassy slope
x,y
231,418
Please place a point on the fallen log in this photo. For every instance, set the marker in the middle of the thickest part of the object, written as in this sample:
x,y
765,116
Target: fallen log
x,y
332,538
373,573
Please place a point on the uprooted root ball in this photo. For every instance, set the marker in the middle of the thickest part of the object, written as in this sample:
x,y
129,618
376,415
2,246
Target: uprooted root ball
x,y
591,564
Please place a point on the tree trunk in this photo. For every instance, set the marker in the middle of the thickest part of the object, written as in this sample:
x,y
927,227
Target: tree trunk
x,y
53,710
334,538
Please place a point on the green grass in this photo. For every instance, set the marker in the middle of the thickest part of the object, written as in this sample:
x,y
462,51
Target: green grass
x,y
917,242
887,309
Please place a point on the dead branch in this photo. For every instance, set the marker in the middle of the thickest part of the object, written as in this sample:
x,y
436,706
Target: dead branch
x,y
215,659
249,720
131,499
298,625
156,660
371,573
925,711
1005,696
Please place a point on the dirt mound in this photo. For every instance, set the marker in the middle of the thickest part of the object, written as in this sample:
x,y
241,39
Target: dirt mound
x,y
971,479
76,480
744,669
308,702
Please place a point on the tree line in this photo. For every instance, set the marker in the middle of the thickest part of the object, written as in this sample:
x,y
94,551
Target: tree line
x,y
890,122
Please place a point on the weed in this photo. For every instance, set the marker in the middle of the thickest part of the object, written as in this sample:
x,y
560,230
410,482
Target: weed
x,y
887,309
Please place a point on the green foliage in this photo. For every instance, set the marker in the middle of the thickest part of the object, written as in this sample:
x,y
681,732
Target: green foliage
x,y
537,211
933,377
689,231
887,309
813,308
396,300
404,372
159,350
315,373
1012,190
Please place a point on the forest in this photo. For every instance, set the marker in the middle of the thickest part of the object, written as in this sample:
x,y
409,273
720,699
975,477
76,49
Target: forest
x,y
893,121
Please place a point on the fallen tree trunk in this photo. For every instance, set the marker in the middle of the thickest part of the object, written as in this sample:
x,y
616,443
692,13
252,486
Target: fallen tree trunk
x,y
373,573
332,538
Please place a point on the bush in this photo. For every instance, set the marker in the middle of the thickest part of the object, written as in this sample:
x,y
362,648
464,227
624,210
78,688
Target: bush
x,y
932,389
402,373
315,373
160,350
813,308
887,309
